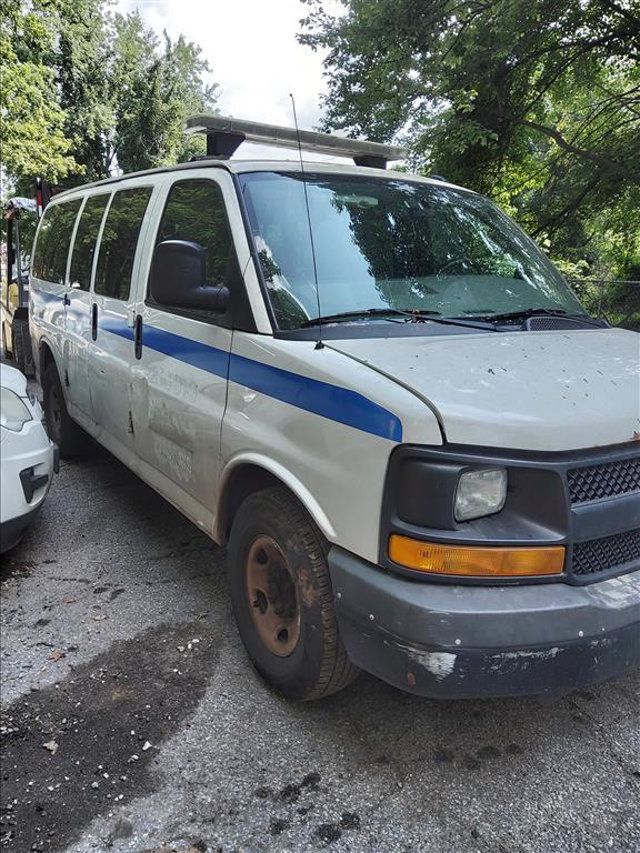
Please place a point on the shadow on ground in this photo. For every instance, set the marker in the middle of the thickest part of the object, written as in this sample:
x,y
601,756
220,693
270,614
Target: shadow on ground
x,y
91,738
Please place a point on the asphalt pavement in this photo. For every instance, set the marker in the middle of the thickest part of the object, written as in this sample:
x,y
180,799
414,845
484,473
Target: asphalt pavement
x,y
133,721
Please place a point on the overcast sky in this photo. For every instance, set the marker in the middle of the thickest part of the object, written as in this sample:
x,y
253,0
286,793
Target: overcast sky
x,y
252,49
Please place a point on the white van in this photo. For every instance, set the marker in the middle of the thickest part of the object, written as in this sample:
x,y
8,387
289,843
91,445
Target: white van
x,y
421,453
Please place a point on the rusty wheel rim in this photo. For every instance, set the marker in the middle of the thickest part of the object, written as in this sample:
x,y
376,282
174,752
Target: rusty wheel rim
x,y
272,597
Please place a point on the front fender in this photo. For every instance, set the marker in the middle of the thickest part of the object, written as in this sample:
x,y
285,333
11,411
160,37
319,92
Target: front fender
x,y
285,476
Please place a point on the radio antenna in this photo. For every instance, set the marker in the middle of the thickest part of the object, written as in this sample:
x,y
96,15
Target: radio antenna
x,y
319,344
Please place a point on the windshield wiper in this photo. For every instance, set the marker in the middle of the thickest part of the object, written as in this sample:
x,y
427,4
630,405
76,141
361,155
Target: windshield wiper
x,y
345,316
471,322
538,312
415,315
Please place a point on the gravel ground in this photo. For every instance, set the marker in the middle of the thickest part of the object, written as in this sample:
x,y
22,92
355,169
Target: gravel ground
x,y
132,720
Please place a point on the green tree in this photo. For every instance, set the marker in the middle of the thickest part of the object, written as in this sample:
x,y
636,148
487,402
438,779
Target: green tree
x,y
535,104
82,61
85,92
154,90
32,133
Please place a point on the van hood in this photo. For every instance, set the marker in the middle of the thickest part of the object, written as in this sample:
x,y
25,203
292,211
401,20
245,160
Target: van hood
x,y
546,391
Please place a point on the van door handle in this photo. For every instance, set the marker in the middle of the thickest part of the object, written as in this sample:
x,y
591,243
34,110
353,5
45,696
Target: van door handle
x,y
94,321
137,336
66,300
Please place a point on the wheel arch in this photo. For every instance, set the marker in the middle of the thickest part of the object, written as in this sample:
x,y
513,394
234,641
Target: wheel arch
x,y
252,472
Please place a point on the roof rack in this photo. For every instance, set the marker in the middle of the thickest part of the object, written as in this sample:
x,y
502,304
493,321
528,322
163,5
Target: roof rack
x,y
225,135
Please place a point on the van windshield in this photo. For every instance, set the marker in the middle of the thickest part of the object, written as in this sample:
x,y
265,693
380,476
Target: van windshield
x,y
389,243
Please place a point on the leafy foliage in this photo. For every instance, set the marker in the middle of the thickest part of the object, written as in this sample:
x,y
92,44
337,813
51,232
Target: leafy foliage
x,y
85,92
32,137
536,104
153,93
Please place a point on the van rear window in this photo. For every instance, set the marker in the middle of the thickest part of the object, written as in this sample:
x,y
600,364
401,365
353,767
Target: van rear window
x,y
54,237
84,245
119,241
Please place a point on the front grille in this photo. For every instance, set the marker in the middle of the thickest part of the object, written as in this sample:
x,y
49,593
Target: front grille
x,y
598,555
604,481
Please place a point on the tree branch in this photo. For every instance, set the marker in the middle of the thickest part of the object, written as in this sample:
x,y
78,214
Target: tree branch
x,y
599,159
567,209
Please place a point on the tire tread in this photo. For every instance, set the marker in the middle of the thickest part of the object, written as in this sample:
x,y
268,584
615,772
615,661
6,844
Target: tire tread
x,y
336,670
72,441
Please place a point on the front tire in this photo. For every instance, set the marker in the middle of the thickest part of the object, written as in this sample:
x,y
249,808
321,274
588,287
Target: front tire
x,y
70,438
282,597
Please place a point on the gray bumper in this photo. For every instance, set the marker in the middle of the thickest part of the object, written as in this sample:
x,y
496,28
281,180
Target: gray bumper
x,y
450,641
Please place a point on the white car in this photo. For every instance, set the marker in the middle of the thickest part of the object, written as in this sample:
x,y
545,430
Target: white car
x,y
28,457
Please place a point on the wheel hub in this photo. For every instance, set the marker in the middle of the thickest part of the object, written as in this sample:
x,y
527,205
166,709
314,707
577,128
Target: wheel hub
x,y
272,597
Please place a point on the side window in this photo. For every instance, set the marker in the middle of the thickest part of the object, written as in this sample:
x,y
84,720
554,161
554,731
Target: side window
x,y
52,247
41,247
195,211
84,245
119,241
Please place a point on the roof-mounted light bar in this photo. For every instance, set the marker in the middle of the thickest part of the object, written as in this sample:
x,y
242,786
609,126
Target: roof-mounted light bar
x,y
225,135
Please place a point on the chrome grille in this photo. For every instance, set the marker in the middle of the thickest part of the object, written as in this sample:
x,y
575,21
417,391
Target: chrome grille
x,y
598,555
604,481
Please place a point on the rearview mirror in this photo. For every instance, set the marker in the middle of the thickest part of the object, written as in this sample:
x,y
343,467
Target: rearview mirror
x,y
178,278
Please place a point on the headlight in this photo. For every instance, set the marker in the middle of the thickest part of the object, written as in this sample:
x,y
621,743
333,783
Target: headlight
x,y
13,412
480,493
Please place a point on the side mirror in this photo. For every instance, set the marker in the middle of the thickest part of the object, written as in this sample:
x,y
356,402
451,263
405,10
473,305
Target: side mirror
x,y
178,275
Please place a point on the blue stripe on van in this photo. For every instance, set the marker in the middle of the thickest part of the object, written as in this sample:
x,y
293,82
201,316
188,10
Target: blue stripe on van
x,y
203,356
116,325
321,398
200,355
312,395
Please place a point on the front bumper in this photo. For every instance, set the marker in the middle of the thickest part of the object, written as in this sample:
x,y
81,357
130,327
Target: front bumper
x,y
455,641
12,531
28,460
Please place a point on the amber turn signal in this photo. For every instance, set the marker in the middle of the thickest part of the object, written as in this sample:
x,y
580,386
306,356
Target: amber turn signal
x,y
475,561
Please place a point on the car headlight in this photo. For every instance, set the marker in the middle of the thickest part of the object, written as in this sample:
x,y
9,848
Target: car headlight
x,y
480,493
13,412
